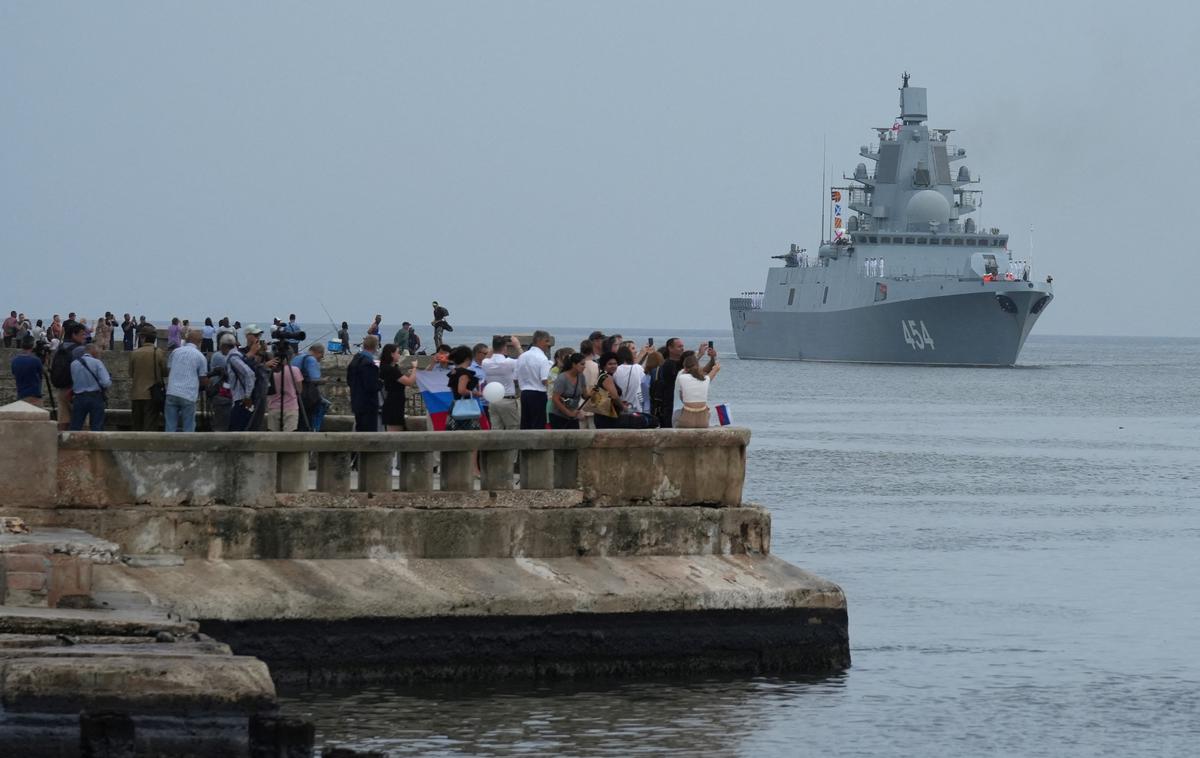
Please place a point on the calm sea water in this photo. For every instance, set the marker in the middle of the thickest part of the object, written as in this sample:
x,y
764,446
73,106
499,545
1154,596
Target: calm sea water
x,y
1020,549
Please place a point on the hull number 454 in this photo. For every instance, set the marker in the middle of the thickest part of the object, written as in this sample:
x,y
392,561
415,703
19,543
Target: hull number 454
x,y
916,335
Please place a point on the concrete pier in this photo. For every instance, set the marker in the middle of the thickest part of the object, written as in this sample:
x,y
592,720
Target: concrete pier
x,y
459,555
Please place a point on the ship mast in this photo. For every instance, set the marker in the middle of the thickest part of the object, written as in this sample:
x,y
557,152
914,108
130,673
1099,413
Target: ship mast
x,y
821,236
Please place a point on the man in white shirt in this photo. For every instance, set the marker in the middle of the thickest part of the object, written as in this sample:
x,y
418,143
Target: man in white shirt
x,y
532,374
504,413
187,371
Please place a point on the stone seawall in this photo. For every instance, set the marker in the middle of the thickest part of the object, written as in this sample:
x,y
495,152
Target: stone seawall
x,y
356,556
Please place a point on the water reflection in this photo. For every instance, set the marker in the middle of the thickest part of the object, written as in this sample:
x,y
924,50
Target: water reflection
x,y
702,716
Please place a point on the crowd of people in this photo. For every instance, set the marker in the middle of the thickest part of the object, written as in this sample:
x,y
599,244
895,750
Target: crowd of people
x,y
255,383
608,383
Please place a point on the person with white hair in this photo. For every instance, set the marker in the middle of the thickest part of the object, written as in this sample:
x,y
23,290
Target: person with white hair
x,y
89,382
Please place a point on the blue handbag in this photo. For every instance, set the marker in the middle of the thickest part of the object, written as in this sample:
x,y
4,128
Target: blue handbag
x,y
465,409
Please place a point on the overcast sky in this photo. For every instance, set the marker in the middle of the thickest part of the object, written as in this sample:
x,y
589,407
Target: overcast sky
x,y
609,164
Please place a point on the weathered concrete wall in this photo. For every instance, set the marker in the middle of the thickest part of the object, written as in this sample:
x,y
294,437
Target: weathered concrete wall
x,y
526,553
125,682
478,618
50,567
27,458
216,532
619,467
430,588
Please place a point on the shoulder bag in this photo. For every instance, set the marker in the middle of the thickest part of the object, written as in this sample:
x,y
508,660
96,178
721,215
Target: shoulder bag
x,y
87,368
601,402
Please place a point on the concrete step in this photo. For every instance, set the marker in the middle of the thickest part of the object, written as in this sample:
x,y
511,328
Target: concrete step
x,y
71,622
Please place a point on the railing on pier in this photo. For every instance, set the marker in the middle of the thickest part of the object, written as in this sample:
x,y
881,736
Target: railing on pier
x,y
612,467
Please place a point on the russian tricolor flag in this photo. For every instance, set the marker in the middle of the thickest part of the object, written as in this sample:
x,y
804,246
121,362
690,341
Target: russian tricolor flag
x,y
434,384
723,414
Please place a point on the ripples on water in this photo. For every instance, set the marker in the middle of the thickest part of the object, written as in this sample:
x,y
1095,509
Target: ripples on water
x,y
1019,549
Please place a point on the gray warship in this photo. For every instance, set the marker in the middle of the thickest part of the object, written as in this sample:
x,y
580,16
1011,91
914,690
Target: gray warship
x,y
903,275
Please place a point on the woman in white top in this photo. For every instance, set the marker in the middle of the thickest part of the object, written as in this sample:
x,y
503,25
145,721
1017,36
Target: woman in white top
x,y
628,377
693,383
208,334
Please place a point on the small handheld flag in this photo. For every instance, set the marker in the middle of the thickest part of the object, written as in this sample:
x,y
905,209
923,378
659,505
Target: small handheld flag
x,y
723,414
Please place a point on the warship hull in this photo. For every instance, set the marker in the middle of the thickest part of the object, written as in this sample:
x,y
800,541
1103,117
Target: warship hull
x,y
976,328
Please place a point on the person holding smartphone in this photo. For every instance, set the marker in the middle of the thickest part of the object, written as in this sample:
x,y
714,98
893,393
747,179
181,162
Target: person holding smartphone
x,y
694,383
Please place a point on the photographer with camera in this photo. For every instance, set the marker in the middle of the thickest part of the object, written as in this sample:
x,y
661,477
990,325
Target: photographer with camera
x,y
285,380
243,381
220,399
249,396
283,400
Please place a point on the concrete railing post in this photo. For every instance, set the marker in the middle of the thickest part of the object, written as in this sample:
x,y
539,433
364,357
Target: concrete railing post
x,y
566,469
457,470
28,456
333,472
375,472
416,471
537,469
496,469
292,472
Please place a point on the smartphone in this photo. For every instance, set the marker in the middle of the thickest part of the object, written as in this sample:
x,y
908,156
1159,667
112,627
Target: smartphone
x,y
650,341
710,343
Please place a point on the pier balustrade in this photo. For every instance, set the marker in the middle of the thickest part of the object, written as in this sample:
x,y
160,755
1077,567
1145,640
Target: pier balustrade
x,y
607,468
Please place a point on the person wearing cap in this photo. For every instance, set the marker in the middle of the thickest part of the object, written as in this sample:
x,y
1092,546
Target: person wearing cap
x,y
401,338
147,367
439,323
254,355
218,377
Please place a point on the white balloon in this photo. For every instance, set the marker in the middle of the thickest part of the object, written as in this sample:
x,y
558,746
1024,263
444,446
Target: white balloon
x,y
493,392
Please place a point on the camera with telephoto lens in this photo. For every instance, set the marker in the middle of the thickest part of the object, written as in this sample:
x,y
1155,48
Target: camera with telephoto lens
x,y
281,350
281,347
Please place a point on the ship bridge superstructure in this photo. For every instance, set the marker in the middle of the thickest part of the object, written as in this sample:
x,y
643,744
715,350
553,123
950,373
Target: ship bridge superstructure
x,y
917,186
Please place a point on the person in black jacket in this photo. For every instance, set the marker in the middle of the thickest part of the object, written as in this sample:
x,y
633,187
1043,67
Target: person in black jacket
x,y
439,323
662,390
362,378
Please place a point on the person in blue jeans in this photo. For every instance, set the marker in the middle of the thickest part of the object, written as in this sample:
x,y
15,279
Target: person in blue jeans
x,y
187,372
89,381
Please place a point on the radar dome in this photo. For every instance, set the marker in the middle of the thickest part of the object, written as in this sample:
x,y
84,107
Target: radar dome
x,y
928,206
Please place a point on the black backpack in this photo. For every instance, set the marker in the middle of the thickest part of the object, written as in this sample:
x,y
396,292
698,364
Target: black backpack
x,y
60,367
